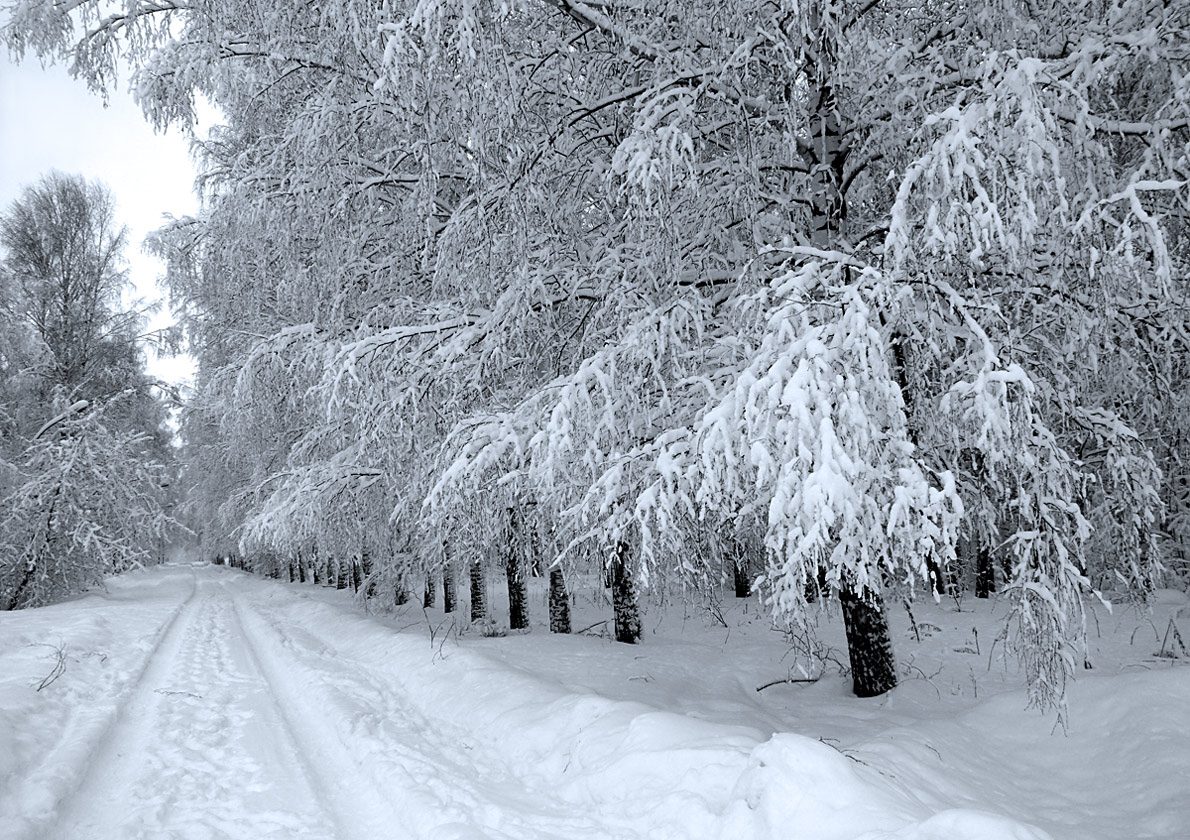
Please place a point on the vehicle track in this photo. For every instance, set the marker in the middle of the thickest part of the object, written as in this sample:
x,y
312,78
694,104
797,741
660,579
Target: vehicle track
x,y
200,750
438,786
244,724
81,732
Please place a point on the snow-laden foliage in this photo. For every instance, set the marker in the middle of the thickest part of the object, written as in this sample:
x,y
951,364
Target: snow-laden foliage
x,y
84,456
87,502
849,280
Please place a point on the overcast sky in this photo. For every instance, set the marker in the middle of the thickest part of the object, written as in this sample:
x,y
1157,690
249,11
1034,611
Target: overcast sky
x,y
50,121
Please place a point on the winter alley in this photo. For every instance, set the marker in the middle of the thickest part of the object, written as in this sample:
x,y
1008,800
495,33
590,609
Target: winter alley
x,y
200,703
242,724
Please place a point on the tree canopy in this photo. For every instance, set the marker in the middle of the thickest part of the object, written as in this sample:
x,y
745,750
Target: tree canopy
x,y
858,282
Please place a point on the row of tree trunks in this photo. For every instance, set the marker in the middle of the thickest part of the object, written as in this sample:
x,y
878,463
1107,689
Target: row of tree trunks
x,y
356,572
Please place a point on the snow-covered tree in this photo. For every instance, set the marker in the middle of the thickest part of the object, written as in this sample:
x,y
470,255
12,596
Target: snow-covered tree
x,y
852,280
87,502
86,459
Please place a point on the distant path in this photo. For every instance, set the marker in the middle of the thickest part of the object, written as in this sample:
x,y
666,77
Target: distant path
x,y
244,724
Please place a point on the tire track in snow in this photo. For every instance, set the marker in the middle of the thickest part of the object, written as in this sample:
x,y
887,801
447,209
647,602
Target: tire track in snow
x,y
200,750
357,810
434,781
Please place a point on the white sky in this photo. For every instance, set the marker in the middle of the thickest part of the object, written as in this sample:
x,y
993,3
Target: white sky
x,y
50,121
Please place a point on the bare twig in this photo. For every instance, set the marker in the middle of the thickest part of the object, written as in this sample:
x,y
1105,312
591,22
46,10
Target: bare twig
x,y
787,680
1172,653
593,626
59,665
169,693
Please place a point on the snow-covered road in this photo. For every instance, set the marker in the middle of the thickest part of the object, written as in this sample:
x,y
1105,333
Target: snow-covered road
x,y
224,734
199,703
200,746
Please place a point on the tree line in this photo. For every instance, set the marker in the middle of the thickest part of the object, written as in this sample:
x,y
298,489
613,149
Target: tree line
x,y
854,299
85,457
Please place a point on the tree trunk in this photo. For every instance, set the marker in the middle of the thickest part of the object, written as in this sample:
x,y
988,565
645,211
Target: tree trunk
x,y
514,570
559,603
341,575
357,574
869,646
449,591
938,580
624,599
289,566
301,567
479,592
431,593
985,571
742,571
15,601
366,568
401,593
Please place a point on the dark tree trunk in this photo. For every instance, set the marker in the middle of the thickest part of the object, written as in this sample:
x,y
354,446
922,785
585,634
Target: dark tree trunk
x,y
742,571
14,602
301,567
479,592
817,586
624,599
937,577
449,590
342,575
559,603
514,570
985,572
357,574
401,594
290,566
869,646
431,593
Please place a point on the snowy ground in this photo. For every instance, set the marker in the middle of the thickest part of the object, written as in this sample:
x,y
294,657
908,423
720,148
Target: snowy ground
x,y
198,702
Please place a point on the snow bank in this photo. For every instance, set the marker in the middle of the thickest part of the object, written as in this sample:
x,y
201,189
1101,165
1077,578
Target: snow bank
x,y
652,772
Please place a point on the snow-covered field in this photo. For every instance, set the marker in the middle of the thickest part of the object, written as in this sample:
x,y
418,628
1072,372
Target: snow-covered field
x,y
198,702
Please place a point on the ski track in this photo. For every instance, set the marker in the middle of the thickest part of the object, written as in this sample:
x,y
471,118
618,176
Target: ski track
x,y
242,724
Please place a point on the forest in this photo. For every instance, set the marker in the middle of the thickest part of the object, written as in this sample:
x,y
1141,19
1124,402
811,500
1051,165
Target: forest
x,y
842,303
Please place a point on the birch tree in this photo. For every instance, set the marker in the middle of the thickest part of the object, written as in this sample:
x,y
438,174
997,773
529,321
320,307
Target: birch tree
x,y
853,279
